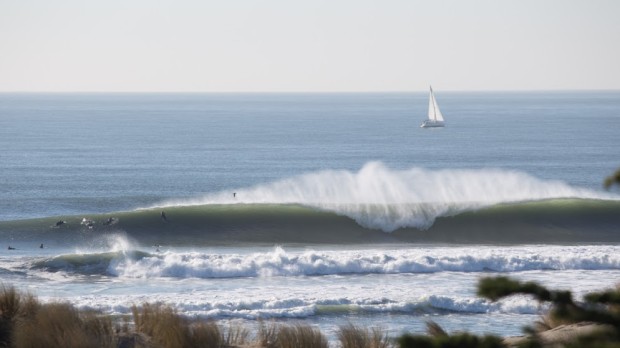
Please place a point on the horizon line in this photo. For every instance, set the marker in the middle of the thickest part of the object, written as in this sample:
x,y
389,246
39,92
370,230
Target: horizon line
x,y
314,92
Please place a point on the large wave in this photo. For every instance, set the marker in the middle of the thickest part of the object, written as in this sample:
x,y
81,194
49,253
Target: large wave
x,y
381,198
340,207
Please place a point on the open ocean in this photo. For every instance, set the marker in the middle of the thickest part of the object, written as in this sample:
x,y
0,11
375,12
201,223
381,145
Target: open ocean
x,y
325,209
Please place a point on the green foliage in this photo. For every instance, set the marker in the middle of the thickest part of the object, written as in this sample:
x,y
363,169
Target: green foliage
x,y
609,297
498,287
612,179
461,340
600,307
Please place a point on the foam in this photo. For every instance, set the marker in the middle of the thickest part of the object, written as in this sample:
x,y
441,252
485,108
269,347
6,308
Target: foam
x,y
308,307
280,263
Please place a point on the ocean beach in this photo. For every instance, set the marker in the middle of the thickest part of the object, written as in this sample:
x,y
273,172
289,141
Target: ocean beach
x,y
319,208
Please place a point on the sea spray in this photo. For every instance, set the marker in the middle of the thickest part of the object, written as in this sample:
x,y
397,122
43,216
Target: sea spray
x,y
378,197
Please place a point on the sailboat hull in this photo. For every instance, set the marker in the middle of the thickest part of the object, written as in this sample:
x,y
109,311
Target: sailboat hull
x,y
431,123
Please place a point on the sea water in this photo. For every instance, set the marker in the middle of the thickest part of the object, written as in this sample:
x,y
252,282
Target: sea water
x,y
284,206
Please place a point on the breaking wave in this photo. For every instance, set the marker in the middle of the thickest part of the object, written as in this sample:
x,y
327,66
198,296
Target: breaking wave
x,y
377,197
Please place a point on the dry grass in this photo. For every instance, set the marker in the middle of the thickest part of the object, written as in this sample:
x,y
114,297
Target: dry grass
x,y
166,328
351,336
14,307
301,336
61,325
236,335
290,336
267,335
434,330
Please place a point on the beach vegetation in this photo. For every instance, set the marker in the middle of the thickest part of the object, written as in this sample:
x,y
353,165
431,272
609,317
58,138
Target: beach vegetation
x,y
164,327
612,179
25,322
351,336
15,306
62,325
595,320
458,340
289,336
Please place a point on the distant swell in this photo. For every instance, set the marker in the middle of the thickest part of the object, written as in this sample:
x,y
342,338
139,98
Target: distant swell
x,y
381,198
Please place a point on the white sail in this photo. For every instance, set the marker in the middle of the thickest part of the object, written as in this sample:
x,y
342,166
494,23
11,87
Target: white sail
x,y
433,109
435,118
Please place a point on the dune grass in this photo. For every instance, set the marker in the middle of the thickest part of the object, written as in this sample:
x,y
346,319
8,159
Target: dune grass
x,y
351,336
61,325
25,322
288,336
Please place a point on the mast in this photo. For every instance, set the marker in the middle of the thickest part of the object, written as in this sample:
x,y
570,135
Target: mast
x,y
432,103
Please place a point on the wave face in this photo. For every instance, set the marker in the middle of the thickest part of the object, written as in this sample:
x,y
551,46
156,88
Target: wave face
x,y
551,222
377,197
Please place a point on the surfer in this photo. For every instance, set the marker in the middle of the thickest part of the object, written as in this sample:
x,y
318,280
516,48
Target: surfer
x,y
60,223
41,246
234,194
11,248
110,221
163,216
88,223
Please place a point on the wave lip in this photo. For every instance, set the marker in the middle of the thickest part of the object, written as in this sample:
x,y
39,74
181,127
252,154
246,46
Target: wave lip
x,y
377,197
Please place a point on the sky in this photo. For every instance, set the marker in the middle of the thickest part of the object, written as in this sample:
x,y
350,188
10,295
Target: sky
x,y
308,45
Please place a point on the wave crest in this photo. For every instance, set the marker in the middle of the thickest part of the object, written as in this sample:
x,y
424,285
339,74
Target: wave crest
x,y
381,198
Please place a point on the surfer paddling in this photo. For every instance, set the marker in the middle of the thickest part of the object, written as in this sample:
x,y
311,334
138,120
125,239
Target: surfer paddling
x,y
11,248
110,221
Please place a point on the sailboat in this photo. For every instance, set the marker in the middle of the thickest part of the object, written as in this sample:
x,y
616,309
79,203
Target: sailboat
x,y
435,119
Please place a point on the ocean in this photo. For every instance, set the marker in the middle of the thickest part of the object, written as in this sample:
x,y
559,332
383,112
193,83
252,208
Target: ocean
x,y
325,209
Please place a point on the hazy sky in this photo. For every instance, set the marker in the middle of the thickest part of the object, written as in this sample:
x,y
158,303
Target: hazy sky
x,y
308,45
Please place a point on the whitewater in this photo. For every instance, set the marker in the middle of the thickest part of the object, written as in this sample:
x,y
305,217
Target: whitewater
x,y
325,209
377,197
